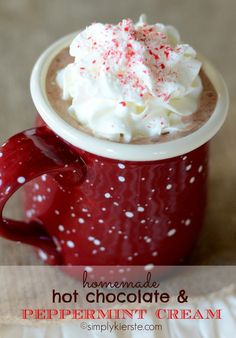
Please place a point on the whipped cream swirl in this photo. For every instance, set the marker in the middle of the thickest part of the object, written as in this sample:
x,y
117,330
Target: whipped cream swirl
x,y
130,81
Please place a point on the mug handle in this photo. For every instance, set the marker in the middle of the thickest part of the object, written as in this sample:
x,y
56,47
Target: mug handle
x,y
23,157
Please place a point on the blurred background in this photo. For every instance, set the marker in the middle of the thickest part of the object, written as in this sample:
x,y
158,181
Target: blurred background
x,y
27,27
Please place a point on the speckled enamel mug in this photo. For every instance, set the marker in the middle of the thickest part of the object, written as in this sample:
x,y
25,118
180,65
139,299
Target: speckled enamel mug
x,y
90,201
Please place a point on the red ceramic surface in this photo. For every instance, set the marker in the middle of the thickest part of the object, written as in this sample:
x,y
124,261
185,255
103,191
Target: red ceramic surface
x,y
82,209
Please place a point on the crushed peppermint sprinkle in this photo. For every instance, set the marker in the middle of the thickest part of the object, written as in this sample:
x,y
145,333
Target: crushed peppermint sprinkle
x,y
138,67
133,54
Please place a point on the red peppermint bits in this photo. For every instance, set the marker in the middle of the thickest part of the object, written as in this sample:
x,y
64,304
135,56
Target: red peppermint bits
x,y
156,57
123,103
137,59
166,54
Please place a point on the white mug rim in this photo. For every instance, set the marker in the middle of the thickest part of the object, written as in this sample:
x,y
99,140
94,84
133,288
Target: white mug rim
x,y
121,151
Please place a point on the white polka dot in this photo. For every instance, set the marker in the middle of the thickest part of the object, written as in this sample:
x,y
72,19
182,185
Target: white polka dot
x,y
140,209
21,179
112,188
153,190
88,269
94,252
185,158
143,221
192,180
39,198
104,209
188,167
143,178
90,238
0,182
29,213
44,177
121,165
70,244
169,186
200,168
116,203
97,242
100,221
130,258
57,212
107,195
129,214
72,215
136,254
43,255
61,228
148,267
81,220
84,209
36,186
121,178
187,222
171,232
148,240
102,248
1,154
155,253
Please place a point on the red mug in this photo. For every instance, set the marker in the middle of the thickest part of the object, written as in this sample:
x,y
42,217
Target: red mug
x,y
90,201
